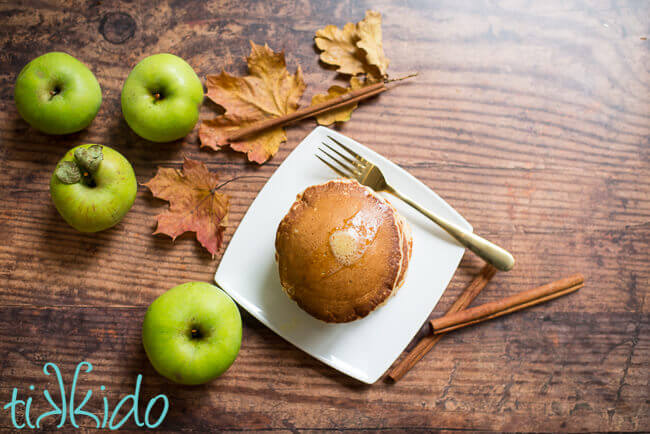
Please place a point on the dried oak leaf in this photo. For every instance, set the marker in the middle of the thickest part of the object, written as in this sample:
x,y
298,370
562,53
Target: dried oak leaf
x,y
339,48
355,49
369,30
343,114
194,204
268,91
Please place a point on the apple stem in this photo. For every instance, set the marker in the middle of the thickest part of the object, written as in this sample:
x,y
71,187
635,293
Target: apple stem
x,y
195,333
54,92
157,96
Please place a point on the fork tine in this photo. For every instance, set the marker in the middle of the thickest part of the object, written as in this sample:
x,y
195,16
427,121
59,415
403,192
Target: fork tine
x,y
349,151
355,163
352,170
338,172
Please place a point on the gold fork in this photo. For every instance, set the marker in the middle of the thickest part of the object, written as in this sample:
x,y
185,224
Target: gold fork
x,y
356,167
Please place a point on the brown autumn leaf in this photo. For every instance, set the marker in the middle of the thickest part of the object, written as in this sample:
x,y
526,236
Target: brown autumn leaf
x,y
370,40
343,114
339,48
258,148
268,91
355,49
194,204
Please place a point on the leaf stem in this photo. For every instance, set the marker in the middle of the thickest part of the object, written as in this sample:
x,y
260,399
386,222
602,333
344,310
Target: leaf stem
x,y
236,178
406,77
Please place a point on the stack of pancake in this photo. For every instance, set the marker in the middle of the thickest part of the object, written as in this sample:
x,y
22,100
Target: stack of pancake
x,y
342,250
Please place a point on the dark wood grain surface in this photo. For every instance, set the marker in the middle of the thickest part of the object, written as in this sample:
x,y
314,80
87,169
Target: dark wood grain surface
x,y
530,118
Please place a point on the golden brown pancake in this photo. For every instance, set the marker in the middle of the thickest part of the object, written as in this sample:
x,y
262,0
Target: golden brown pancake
x,y
342,250
407,248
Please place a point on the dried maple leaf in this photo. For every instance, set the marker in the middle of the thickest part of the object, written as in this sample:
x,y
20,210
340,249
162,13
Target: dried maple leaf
x,y
268,91
259,147
194,204
369,31
342,114
355,49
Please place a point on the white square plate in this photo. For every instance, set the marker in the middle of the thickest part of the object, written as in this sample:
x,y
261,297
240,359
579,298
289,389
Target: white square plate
x,y
363,349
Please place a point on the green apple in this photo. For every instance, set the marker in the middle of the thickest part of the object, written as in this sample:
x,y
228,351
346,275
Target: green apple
x,y
161,98
57,94
192,333
93,187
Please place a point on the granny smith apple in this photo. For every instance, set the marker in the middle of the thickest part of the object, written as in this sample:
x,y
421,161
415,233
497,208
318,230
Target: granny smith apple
x,y
93,187
161,98
57,94
192,333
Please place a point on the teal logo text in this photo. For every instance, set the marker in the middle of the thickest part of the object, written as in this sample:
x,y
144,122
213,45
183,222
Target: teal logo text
x,y
70,407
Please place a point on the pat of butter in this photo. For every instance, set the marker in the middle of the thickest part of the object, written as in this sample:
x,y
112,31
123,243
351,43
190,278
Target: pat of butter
x,y
346,246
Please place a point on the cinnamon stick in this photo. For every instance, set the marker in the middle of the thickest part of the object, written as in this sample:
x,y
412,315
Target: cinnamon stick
x,y
338,105
314,110
507,305
429,341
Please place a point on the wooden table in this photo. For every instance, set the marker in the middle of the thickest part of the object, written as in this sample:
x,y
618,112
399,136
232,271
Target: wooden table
x,y
530,118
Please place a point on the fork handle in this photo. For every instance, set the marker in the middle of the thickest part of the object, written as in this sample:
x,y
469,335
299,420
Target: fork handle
x,y
488,251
